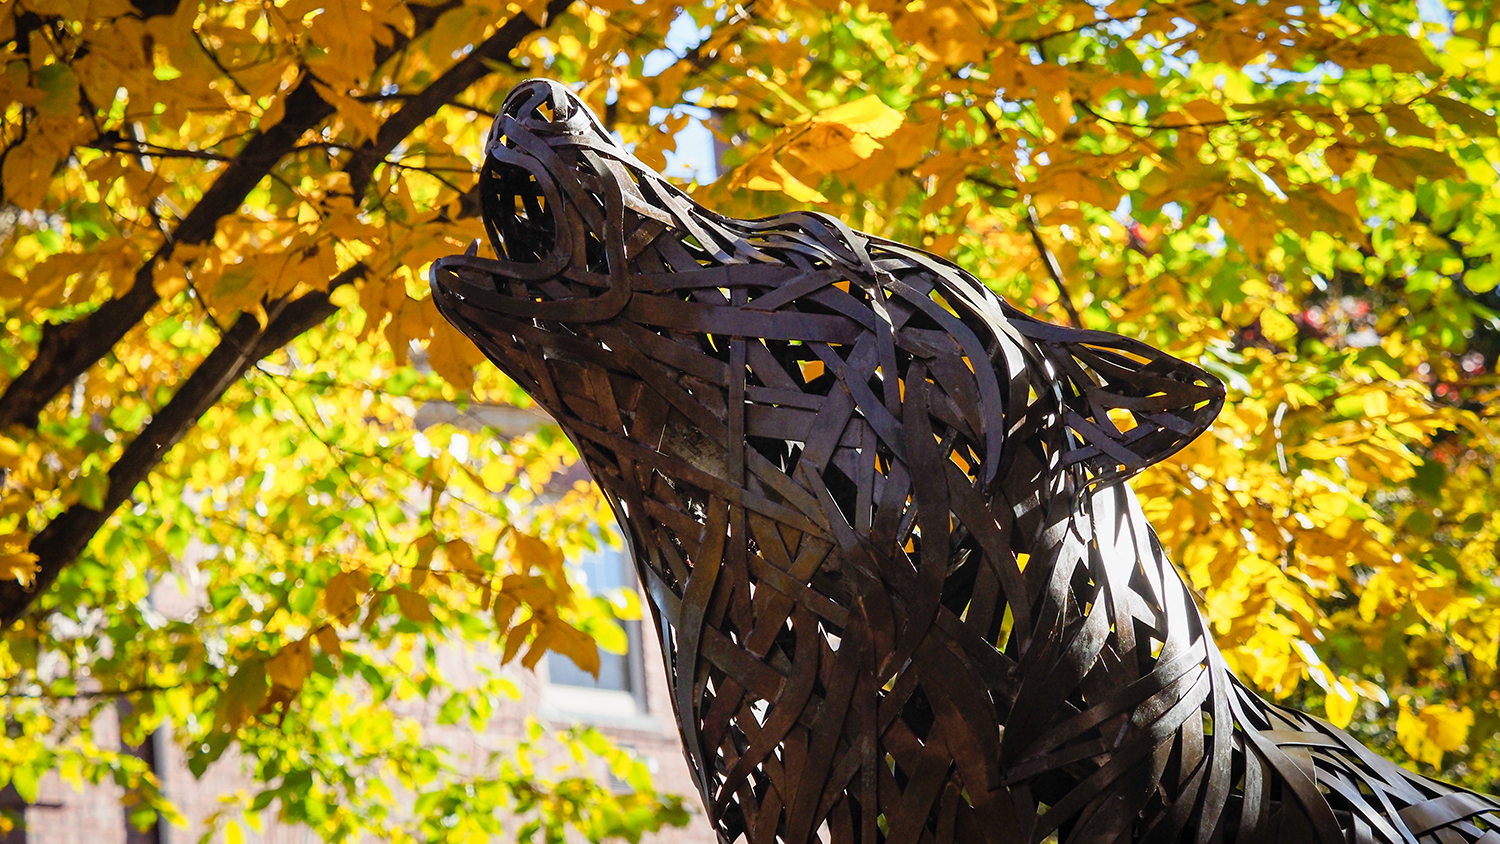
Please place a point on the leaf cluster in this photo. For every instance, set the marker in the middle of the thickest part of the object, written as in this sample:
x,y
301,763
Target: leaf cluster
x,y
215,222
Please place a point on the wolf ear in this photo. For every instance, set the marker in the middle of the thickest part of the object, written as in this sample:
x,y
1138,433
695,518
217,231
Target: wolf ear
x,y
1161,403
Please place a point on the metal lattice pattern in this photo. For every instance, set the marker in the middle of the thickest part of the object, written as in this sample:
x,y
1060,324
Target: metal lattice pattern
x,y
904,592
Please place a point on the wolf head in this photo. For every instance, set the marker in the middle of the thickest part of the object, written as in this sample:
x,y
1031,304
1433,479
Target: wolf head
x,y
563,205
591,241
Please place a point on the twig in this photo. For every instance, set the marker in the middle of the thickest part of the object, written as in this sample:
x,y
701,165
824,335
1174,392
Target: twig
x,y
1053,268
132,690
1036,40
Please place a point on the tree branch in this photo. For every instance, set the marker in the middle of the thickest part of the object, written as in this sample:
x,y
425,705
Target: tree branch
x,y
420,107
242,346
89,695
67,350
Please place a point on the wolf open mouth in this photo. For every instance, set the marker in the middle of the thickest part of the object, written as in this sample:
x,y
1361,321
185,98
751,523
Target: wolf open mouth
x,y
525,216
522,226
545,195
554,215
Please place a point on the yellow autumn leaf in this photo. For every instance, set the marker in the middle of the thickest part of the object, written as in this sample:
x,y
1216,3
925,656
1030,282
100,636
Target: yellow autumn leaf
x,y
533,553
328,640
341,596
1373,692
1425,735
830,148
1340,702
28,172
984,10
1447,726
1203,111
425,545
345,30
291,665
1278,327
10,453
453,356
567,640
781,180
354,112
634,96
18,565
833,140
944,33
504,609
533,590
515,638
496,476
1411,732
866,115
412,605
461,557
536,10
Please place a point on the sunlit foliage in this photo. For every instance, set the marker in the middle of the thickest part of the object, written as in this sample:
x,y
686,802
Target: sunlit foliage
x,y
214,229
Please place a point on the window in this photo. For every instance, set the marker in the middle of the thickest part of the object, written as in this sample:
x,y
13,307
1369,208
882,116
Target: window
x,y
619,689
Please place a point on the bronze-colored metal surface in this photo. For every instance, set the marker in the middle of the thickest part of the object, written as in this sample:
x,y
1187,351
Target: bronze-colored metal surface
x,y
904,592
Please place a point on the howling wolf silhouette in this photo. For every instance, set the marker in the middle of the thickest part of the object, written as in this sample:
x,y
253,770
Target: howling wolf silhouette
x,y
904,592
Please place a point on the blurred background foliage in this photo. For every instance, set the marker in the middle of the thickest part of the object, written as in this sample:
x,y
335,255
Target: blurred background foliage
x,y
215,222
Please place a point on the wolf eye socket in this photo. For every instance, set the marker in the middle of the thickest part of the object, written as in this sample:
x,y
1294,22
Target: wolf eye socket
x,y
541,114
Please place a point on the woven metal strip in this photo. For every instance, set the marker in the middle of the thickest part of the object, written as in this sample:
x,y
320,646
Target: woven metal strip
x,y
904,593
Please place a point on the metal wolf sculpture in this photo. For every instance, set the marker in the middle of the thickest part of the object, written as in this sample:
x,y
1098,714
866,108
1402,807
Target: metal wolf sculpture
x,y
904,593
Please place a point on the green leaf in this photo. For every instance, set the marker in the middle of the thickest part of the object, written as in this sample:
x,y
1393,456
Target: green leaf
x,y
93,486
1483,279
26,782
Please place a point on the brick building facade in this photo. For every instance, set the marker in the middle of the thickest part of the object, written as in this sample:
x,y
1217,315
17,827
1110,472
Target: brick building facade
x,y
629,703
638,716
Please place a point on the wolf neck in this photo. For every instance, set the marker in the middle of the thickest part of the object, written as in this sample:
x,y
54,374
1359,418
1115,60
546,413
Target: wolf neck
x,y
1057,659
